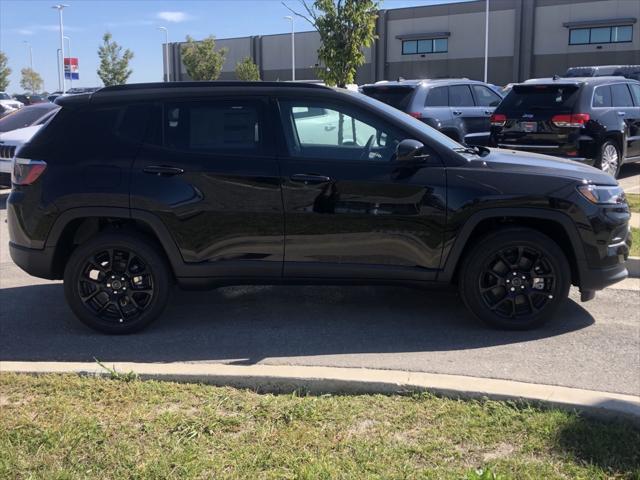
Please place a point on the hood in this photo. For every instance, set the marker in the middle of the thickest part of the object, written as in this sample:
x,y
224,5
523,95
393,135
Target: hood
x,y
537,164
19,136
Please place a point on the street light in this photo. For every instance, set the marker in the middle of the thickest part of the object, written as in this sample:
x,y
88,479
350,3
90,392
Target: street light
x,y
293,48
486,40
166,49
60,7
68,39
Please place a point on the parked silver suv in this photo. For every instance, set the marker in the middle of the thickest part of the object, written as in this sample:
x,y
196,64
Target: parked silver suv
x,y
458,107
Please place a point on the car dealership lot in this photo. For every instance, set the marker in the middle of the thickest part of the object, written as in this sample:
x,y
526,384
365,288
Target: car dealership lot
x,y
594,345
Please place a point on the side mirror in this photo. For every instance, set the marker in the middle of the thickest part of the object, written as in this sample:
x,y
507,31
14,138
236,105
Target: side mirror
x,y
410,152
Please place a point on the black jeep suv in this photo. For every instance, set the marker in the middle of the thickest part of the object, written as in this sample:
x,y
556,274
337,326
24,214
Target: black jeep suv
x,y
131,188
593,120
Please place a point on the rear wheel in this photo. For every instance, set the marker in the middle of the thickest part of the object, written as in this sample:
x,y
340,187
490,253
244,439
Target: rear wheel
x,y
515,278
610,159
117,282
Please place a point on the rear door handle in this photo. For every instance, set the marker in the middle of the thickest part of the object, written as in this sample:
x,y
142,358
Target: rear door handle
x,y
488,112
162,170
457,112
622,114
309,178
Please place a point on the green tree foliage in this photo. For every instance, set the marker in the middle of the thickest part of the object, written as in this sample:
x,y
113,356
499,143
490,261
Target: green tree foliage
x,y
202,60
114,62
5,71
346,27
247,70
31,80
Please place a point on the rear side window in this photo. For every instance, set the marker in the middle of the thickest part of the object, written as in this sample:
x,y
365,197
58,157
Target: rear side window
x,y
485,97
635,90
398,97
621,95
213,126
460,96
528,98
602,96
437,97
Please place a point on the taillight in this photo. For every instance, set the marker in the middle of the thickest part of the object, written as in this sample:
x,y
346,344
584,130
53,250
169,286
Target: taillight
x,y
498,120
26,171
575,120
416,114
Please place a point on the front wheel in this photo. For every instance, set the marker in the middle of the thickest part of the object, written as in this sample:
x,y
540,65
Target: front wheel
x,y
117,282
515,278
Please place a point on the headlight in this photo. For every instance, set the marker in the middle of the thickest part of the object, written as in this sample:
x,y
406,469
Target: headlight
x,y
599,194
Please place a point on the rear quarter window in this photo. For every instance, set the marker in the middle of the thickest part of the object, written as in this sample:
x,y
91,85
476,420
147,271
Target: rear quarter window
x,y
398,97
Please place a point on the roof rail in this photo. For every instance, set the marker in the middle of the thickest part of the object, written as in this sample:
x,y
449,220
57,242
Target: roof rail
x,y
204,84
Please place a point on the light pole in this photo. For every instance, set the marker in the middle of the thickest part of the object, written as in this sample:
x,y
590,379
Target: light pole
x,y
58,60
486,40
166,50
68,39
293,48
30,59
61,7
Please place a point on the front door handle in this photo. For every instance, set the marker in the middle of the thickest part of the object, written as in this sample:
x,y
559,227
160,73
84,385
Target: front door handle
x,y
622,114
163,170
309,178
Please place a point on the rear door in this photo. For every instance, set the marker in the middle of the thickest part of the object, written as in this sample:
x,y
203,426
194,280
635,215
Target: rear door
x,y
624,107
350,212
208,172
464,108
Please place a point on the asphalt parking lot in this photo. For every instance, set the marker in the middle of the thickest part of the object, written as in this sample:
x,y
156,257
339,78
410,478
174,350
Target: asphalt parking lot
x,y
593,345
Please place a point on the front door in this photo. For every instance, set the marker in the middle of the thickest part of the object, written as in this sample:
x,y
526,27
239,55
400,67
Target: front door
x,y
350,210
209,173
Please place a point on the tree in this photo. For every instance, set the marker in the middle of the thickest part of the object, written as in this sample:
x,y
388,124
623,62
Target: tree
x,y
5,71
114,62
346,27
202,60
31,80
247,70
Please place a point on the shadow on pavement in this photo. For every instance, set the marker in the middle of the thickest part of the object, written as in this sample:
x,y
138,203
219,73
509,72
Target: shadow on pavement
x,y
244,325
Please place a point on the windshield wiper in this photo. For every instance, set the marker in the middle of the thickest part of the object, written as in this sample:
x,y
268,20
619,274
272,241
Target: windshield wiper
x,y
475,150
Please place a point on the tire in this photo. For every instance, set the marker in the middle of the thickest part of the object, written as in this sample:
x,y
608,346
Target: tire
x,y
609,158
514,278
117,282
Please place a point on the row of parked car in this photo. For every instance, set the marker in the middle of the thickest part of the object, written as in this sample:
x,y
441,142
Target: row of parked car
x,y
593,119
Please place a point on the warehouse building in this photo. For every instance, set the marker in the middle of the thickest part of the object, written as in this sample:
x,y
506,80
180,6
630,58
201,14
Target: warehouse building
x,y
527,38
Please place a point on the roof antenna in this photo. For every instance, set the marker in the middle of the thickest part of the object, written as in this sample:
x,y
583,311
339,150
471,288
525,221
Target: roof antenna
x,y
556,77
400,79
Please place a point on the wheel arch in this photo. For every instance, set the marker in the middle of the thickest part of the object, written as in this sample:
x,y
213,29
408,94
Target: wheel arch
x,y
556,225
76,225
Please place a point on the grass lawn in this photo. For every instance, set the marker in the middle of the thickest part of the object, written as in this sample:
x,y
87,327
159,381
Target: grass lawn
x,y
633,199
77,427
635,239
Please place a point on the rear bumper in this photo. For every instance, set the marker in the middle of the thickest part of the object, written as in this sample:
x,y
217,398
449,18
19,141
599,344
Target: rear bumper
x,y
36,262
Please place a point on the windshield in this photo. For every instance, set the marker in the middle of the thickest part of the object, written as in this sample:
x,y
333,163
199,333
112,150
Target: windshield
x,y
412,122
397,97
528,98
24,117
4,96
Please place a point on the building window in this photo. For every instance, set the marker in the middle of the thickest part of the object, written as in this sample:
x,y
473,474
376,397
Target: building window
x,y
431,45
615,34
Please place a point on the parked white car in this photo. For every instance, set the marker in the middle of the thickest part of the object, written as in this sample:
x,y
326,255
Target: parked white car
x,y
7,101
9,143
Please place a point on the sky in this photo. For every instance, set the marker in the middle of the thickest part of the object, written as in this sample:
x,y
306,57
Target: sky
x,y
134,25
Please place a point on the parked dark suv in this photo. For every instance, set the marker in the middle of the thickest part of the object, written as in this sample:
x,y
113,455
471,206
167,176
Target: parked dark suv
x,y
134,187
458,107
594,120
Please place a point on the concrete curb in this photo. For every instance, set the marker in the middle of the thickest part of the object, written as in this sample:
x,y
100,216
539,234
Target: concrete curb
x,y
633,266
272,378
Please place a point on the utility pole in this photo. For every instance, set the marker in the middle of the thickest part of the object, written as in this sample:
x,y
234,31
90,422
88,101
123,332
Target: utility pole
x,y
61,7
166,51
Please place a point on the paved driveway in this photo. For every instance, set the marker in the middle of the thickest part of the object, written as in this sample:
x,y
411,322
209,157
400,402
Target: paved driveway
x,y
595,345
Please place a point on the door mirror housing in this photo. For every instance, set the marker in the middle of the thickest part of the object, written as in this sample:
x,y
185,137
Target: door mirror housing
x,y
410,152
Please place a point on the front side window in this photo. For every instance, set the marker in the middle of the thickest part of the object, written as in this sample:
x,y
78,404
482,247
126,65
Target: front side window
x,y
427,45
339,133
460,96
602,96
213,126
485,97
614,34
621,96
